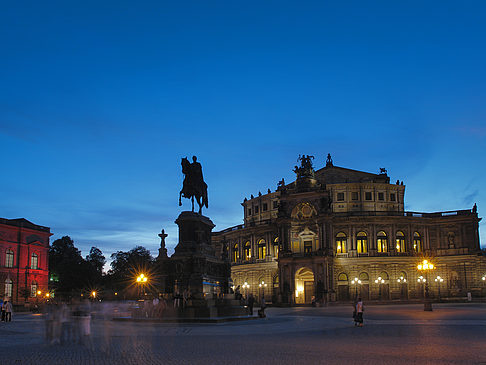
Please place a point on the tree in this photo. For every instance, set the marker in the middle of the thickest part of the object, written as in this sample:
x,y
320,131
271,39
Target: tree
x,y
96,260
125,266
68,266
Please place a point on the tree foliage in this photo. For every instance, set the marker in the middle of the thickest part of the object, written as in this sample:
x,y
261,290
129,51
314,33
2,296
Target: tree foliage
x,y
72,272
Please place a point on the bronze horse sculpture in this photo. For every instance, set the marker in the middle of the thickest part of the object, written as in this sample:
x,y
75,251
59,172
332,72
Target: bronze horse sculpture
x,y
193,185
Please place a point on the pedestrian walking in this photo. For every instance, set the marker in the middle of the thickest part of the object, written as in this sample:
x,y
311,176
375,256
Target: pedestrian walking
x,y
359,308
8,310
251,301
261,312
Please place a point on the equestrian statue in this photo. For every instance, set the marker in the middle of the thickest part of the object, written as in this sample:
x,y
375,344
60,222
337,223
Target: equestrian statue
x,y
193,185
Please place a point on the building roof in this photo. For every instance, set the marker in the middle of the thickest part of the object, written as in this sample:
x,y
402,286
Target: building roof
x,y
24,223
337,175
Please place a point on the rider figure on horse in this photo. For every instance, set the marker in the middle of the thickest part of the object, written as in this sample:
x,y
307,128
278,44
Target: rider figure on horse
x,y
193,185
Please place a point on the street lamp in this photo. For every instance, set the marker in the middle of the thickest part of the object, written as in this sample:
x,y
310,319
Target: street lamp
x,y
356,282
141,281
380,281
246,286
263,285
425,266
439,280
402,281
93,294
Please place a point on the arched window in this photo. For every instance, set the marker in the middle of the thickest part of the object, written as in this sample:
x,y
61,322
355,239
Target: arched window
x,y
33,289
247,250
341,240
342,277
402,277
362,242
34,261
262,249
384,275
9,258
400,242
381,242
417,242
236,253
364,276
275,247
8,288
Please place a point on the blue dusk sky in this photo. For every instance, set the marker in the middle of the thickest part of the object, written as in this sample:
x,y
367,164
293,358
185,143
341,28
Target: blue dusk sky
x,y
100,100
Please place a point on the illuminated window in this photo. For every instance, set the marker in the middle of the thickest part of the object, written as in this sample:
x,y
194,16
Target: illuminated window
x,y
307,246
34,261
368,195
262,249
342,277
354,195
236,253
341,241
8,288
340,197
275,247
362,242
33,289
417,242
247,250
400,242
382,242
9,258
363,276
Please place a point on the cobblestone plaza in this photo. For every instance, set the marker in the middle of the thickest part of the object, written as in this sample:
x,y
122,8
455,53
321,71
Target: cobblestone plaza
x,y
399,334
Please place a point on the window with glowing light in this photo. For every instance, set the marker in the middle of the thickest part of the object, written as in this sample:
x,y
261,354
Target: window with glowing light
x,y
33,289
275,247
417,242
382,242
236,253
262,249
247,250
342,277
400,242
307,246
341,242
34,261
9,258
362,242
8,288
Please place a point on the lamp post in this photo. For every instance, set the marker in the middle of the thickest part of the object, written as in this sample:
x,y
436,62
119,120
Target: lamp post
x,y
439,280
246,286
356,282
402,282
425,266
380,281
141,281
263,285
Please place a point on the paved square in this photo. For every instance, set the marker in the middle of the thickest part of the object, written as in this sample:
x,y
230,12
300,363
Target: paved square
x,y
399,334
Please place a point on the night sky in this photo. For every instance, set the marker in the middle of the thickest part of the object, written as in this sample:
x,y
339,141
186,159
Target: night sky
x,y
100,100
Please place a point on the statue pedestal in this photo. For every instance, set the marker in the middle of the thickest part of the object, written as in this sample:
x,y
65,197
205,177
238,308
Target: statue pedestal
x,y
195,271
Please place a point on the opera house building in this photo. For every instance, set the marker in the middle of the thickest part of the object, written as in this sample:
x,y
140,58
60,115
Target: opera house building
x,y
336,233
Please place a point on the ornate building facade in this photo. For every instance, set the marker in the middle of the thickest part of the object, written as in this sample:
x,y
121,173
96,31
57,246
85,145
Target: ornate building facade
x,y
336,233
24,266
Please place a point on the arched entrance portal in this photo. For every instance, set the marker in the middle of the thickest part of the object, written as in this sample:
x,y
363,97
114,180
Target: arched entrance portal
x,y
304,286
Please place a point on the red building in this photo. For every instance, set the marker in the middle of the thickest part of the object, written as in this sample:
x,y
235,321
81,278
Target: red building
x,y
24,264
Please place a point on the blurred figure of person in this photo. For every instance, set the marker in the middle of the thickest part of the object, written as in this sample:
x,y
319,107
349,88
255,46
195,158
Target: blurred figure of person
x,y
3,307
65,323
261,312
359,313
8,310
251,302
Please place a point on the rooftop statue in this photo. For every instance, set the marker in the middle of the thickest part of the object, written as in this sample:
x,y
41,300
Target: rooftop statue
x,y
329,160
305,169
193,185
